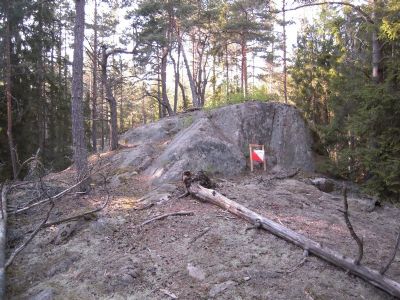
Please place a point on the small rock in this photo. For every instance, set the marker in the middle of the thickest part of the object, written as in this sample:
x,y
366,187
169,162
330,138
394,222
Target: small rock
x,y
246,278
46,294
196,272
126,279
324,184
220,287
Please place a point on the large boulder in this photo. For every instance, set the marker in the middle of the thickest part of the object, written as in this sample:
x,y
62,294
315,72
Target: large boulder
x,y
217,141
280,127
199,147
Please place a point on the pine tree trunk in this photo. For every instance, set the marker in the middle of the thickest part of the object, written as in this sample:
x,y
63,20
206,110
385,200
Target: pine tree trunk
x,y
244,66
160,111
166,107
94,88
41,111
7,43
121,98
227,71
111,101
376,57
177,75
184,99
78,130
195,98
284,51
144,115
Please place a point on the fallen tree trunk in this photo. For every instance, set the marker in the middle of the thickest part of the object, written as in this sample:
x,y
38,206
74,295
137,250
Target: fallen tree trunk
x,y
3,240
373,277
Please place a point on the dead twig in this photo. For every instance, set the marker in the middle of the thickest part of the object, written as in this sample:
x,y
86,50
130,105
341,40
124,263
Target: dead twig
x,y
350,227
194,239
179,213
30,238
296,267
32,158
396,247
73,218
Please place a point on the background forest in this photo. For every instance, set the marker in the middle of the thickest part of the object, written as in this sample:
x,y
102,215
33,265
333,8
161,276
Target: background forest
x,y
149,59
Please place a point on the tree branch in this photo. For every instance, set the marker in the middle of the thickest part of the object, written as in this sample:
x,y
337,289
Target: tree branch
x,y
396,247
179,213
357,8
350,227
30,238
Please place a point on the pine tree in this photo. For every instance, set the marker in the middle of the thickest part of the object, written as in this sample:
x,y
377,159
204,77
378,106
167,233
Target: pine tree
x,y
78,131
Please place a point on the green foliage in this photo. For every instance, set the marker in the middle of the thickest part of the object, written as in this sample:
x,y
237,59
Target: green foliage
x,y
256,94
358,121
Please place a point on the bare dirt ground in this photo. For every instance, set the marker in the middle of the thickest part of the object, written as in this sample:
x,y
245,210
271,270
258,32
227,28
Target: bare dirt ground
x,y
208,255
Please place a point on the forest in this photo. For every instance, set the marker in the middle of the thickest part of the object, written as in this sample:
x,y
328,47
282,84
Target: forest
x,y
117,116
145,60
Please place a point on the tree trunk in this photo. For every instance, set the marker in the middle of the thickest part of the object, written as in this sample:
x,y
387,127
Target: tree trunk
x,y
244,84
144,115
177,75
3,240
284,51
7,43
160,111
166,107
376,47
78,130
227,71
184,100
121,99
195,98
41,101
94,88
111,101
337,259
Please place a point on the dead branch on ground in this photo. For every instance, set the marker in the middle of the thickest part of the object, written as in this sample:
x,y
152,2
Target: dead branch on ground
x,y
82,215
350,227
179,213
30,238
371,276
194,239
59,195
396,247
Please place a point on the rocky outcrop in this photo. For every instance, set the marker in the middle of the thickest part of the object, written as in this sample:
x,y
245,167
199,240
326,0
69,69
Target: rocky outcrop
x,y
217,141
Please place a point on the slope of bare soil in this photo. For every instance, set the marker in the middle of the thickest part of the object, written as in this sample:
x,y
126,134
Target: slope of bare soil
x,y
207,255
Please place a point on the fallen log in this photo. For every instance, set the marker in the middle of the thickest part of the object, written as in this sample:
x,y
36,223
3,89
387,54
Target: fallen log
x,y
371,276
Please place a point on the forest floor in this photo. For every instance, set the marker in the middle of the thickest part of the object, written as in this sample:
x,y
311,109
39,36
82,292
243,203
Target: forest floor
x,y
208,255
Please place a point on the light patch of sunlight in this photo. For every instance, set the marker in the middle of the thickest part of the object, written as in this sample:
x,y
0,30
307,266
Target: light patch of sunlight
x,y
158,173
124,203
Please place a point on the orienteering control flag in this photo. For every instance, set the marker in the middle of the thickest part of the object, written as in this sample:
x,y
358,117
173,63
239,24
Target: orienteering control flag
x,y
258,155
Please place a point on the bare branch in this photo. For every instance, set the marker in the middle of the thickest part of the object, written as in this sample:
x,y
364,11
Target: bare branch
x,y
179,213
396,247
83,214
59,195
30,238
357,8
350,227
